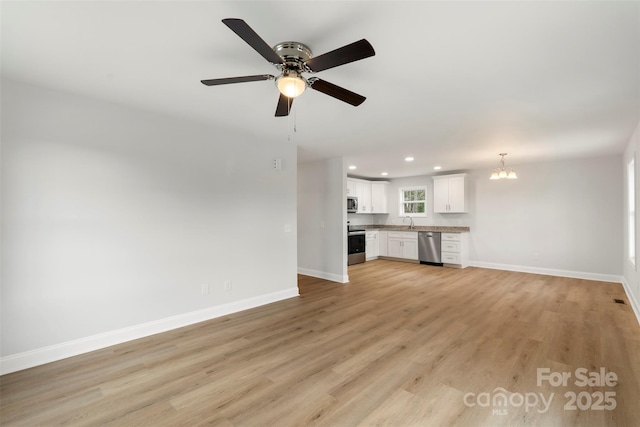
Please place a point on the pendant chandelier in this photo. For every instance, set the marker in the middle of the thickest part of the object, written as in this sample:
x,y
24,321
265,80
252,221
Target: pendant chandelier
x,y
501,172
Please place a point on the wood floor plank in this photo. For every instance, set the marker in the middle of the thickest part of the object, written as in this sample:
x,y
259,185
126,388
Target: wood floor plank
x,y
401,344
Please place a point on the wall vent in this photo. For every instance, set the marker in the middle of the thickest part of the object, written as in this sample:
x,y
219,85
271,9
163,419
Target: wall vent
x,y
619,301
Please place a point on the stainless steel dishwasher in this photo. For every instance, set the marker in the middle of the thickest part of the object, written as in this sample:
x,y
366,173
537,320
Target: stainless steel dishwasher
x,y
429,245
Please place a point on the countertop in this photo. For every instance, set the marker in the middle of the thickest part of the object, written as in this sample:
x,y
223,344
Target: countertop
x,y
445,229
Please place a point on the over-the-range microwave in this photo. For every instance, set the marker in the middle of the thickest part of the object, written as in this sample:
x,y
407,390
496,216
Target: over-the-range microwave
x,y
352,204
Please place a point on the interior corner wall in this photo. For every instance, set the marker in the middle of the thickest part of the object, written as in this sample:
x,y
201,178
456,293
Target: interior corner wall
x,y
630,271
322,220
113,217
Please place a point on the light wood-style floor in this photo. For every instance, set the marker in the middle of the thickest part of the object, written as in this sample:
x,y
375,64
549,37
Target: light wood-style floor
x,y
400,345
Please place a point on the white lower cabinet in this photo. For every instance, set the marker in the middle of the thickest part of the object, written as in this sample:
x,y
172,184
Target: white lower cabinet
x,y
402,244
372,246
382,243
454,249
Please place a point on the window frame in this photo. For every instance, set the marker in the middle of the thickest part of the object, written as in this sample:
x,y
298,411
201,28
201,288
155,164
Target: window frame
x,y
401,212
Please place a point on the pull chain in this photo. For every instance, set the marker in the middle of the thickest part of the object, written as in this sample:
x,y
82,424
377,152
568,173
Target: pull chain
x,y
289,122
289,127
295,121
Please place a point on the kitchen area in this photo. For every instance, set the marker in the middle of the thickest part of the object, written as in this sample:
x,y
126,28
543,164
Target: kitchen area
x,y
409,220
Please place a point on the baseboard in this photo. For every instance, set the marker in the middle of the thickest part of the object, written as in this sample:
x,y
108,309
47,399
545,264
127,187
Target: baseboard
x,y
29,359
632,299
324,275
549,271
390,258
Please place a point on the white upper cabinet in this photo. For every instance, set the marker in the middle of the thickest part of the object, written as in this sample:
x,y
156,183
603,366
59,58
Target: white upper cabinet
x,y
351,188
379,196
372,195
363,190
450,193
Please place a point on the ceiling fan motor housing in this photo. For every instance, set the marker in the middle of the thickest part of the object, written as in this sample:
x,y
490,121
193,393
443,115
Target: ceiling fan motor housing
x,y
294,54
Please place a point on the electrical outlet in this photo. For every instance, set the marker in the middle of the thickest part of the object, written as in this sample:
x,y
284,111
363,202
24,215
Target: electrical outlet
x,y
227,285
204,288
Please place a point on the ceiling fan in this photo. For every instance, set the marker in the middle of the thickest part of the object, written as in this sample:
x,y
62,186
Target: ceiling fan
x,y
292,59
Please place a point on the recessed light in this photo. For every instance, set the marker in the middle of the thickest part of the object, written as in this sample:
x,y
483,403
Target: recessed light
x,y
437,168
408,159
384,174
352,167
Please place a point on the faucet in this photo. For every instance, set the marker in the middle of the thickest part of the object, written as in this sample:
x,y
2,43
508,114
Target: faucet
x,y
411,225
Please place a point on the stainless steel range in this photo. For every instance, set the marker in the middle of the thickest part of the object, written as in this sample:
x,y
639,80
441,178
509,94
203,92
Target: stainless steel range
x,y
356,245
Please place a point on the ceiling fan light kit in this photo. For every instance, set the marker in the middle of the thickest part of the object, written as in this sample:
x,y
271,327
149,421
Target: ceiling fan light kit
x,y
290,84
292,59
501,172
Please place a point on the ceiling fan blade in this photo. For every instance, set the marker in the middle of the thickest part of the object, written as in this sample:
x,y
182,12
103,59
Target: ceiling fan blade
x,y
343,55
284,106
243,79
336,91
247,34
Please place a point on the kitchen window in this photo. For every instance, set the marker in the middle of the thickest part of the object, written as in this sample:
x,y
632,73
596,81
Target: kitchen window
x,y
413,201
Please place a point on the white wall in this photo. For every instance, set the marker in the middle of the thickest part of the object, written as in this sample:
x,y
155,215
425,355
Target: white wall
x,y
322,207
630,271
563,216
559,217
114,217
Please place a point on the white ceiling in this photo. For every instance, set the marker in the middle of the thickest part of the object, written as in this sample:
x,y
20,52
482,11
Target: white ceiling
x,y
452,83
